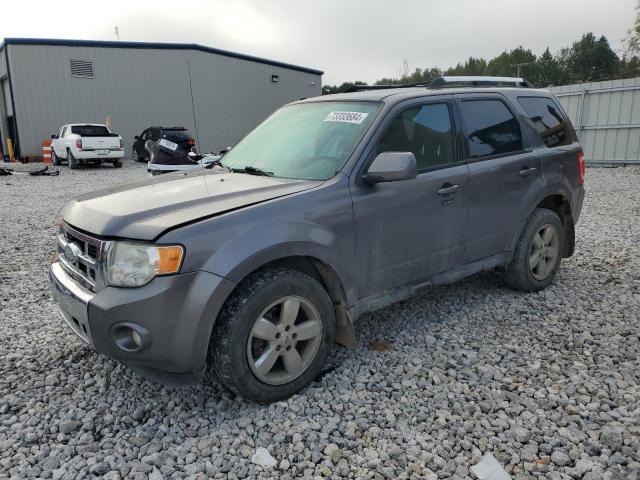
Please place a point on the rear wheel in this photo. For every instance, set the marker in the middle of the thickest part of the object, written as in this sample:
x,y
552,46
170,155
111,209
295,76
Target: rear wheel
x,y
117,164
538,253
73,163
273,335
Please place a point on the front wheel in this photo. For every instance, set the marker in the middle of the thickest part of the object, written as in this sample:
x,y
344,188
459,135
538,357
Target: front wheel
x,y
273,335
538,254
135,156
54,158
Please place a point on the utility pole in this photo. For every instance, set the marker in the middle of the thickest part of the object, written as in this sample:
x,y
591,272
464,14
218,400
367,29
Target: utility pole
x,y
117,33
519,66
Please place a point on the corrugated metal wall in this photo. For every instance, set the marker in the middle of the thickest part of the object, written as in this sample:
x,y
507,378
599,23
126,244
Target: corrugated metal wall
x,y
606,116
138,88
4,85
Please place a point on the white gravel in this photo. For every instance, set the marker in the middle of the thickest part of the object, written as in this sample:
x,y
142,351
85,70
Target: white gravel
x,y
548,383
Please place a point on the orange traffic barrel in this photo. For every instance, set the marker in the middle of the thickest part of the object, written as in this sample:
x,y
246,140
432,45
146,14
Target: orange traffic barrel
x,y
46,151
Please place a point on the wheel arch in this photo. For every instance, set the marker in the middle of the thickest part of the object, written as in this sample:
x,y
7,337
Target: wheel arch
x,y
320,270
558,202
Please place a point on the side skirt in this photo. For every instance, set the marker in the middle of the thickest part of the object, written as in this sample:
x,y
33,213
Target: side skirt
x,y
380,300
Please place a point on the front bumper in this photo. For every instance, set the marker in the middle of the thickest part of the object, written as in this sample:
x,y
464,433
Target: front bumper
x,y
72,300
174,314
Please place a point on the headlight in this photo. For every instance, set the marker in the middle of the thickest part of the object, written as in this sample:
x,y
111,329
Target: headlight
x,y
135,264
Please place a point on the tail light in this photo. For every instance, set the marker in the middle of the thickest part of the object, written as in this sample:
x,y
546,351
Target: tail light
x,y
121,143
191,142
79,144
581,167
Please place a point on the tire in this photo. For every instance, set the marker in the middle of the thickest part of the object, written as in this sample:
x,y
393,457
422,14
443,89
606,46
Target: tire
x,y
135,156
246,318
117,164
73,162
54,158
538,253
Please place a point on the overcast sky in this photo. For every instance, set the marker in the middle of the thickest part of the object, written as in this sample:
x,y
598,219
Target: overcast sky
x,y
348,39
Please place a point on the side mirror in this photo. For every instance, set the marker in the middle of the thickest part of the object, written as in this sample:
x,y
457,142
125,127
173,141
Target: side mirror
x,y
137,137
54,136
392,167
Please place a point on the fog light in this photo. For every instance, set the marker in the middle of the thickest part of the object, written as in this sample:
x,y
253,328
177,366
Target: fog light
x,y
130,337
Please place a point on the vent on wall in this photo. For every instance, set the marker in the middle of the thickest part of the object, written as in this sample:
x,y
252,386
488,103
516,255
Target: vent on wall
x,y
81,68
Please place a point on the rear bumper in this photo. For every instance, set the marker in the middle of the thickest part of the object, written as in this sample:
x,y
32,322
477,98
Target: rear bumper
x,y
94,155
173,315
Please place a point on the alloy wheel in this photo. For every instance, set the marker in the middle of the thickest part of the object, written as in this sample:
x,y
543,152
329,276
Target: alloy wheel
x,y
284,340
545,249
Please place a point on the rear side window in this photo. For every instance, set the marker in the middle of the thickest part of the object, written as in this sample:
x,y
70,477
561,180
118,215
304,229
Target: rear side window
x,y
89,130
491,127
426,131
548,120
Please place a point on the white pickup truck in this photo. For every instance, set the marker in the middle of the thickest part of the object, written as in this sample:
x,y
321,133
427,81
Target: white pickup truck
x,y
79,143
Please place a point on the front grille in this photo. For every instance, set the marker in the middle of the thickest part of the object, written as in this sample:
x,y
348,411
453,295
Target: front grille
x,y
83,260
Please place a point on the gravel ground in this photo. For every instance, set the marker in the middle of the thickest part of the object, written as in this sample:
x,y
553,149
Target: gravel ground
x,y
547,382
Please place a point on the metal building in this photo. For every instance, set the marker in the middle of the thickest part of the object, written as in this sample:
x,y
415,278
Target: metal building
x,y
218,95
606,116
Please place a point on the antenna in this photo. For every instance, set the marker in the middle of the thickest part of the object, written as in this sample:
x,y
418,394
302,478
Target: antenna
x,y
117,32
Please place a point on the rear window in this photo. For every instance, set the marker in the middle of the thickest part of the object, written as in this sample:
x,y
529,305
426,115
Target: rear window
x,y
548,120
89,130
176,135
491,127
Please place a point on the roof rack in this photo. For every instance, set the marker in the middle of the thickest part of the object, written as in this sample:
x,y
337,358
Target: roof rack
x,y
480,81
363,88
451,81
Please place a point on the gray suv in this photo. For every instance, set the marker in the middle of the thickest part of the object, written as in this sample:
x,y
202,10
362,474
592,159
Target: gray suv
x,y
331,208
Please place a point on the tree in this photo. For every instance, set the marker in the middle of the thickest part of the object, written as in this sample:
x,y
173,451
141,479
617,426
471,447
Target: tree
x,y
549,71
330,89
590,59
473,66
514,62
632,42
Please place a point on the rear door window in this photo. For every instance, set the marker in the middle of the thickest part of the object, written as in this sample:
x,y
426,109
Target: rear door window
x,y
548,120
491,128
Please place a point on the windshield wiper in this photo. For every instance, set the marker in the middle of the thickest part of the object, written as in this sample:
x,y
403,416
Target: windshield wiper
x,y
217,162
252,171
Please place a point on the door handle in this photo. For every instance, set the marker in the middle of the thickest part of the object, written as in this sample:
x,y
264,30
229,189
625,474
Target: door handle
x,y
448,189
525,172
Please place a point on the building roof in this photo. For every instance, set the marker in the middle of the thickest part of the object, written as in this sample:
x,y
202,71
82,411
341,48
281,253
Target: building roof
x,y
154,45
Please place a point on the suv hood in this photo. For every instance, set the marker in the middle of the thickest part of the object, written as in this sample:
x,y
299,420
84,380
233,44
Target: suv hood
x,y
144,210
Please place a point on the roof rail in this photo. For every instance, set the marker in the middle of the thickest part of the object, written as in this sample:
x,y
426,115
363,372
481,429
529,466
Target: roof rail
x,y
479,81
362,88
451,81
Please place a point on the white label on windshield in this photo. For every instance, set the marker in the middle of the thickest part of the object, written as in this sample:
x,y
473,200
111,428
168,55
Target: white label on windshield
x,y
168,144
346,117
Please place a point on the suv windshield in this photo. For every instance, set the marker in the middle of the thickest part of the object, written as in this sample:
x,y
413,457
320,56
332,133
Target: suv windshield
x,y
309,141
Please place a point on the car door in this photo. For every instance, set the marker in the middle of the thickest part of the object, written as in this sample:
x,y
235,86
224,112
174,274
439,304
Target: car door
x,y
66,141
138,144
56,143
409,230
504,172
